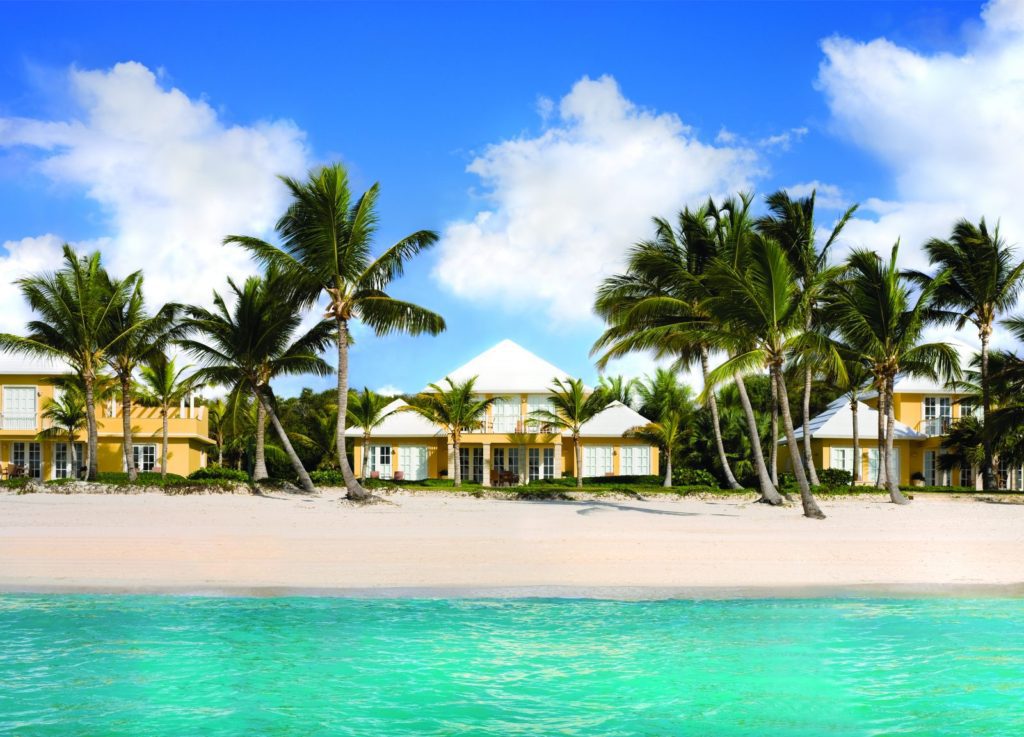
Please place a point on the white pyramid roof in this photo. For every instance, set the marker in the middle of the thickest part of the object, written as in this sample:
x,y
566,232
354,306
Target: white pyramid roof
x,y
507,368
11,363
837,422
613,421
399,424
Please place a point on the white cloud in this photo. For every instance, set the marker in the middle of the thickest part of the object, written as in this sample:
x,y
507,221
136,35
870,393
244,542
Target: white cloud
x,y
828,196
170,175
389,390
33,255
783,140
948,126
566,204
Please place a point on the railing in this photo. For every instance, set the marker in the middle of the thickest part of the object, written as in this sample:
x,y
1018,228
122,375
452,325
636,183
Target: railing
x,y
512,425
936,425
18,422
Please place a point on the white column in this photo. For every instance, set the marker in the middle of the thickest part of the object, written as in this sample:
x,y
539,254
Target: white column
x,y
452,460
487,464
191,406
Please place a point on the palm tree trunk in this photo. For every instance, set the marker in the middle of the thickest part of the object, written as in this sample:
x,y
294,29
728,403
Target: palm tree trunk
x,y
668,467
90,420
579,460
73,470
457,465
808,452
856,442
987,472
259,471
355,490
881,475
893,483
304,480
716,426
811,508
163,449
366,456
773,452
126,426
220,454
769,493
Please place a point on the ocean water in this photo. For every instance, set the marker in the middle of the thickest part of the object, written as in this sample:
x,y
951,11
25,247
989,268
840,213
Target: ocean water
x,y
156,666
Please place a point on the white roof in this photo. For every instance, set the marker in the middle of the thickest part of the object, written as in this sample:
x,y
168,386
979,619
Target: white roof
x,y
837,422
399,424
613,421
11,363
507,368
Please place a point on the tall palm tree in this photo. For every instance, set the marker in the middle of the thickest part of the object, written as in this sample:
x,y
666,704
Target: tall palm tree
x,y
791,223
455,409
618,388
73,304
854,378
216,413
326,243
760,323
140,337
872,310
666,433
367,410
66,414
651,305
983,279
254,341
163,384
571,407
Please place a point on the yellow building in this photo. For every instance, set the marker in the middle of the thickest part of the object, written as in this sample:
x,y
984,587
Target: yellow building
x,y
924,410
509,447
24,392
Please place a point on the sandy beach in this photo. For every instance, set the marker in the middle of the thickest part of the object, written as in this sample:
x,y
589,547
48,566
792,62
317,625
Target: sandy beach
x,y
292,544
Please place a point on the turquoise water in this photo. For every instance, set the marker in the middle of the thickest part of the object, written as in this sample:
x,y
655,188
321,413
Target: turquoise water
x,y
142,665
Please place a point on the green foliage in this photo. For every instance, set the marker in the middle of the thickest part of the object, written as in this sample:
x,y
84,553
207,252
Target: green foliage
x,y
219,473
146,478
693,477
13,483
835,477
327,477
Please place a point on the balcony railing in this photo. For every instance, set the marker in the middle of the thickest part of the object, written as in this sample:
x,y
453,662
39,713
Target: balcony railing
x,y
936,425
17,422
503,425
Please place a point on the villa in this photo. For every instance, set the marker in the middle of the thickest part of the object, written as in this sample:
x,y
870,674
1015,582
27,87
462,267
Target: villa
x,y
24,391
924,410
509,448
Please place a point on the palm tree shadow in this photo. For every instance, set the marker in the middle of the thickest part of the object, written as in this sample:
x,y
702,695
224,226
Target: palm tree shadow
x,y
589,507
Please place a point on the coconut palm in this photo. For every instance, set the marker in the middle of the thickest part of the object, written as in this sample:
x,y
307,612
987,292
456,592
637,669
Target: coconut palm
x,y
983,279
854,378
667,433
66,415
254,341
618,388
163,384
872,310
455,409
73,304
661,393
571,407
367,410
217,420
791,223
326,243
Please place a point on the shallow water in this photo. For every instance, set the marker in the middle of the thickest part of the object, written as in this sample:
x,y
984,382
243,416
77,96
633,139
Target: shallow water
x,y
147,665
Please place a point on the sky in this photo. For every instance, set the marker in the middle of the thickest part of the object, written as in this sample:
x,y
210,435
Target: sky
x,y
537,139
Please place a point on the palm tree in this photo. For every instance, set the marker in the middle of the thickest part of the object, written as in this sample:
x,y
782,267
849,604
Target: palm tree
x,y
140,338
326,246
249,344
455,409
618,388
791,223
162,384
662,393
666,433
871,309
217,416
367,410
760,322
982,280
73,304
651,306
571,407
855,376
66,414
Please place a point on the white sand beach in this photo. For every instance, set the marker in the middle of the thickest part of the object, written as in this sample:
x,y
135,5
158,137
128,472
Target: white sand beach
x,y
282,543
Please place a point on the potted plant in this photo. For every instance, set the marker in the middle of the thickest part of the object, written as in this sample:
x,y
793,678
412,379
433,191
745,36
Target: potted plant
x,y
917,478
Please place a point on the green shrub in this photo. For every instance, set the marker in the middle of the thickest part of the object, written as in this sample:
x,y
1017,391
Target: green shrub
x,y
219,473
145,478
327,477
943,489
693,477
835,477
14,483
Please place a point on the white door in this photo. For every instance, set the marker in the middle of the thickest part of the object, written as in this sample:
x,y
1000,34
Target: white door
x,y
597,460
380,461
636,460
19,410
412,461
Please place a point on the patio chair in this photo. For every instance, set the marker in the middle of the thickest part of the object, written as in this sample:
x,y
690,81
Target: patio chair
x,y
15,472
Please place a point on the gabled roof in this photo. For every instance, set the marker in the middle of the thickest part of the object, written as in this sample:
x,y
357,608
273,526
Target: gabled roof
x,y
399,424
613,421
22,365
507,367
837,422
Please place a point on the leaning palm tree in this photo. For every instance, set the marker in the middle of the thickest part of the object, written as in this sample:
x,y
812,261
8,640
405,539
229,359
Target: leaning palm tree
x,y
163,384
455,409
791,223
571,407
367,410
872,310
73,304
666,433
326,243
983,279
66,415
254,341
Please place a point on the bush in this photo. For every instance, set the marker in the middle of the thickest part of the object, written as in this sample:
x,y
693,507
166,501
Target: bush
x,y
219,473
835,477
327,477
693,477
14,483
146,478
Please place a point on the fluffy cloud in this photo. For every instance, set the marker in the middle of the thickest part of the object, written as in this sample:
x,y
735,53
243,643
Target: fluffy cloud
x,y
828,196
948,127
563,206
170,175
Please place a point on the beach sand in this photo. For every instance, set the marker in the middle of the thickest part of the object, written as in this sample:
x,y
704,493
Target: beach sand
x,y
445,545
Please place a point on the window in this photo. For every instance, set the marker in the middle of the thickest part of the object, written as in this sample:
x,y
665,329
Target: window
x,y
549,463
506,414
476,472
938,415
533,465
597,460
929,467
380,461
498,462
66,465
19,408
842,458
145,457
636,460
966,476
873,461
412,461
535,403
30,457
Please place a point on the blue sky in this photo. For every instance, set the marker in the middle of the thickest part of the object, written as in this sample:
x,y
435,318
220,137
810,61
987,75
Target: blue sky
x,y
537,138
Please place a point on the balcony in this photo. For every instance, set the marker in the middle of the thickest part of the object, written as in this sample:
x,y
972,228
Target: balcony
x,y
513,425
18,422
934,426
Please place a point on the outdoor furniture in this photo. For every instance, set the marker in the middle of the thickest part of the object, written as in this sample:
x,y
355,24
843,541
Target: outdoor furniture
x,y
15,472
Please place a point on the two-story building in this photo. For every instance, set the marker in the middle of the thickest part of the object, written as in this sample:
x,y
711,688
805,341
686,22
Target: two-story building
x,y
24,393
509,446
